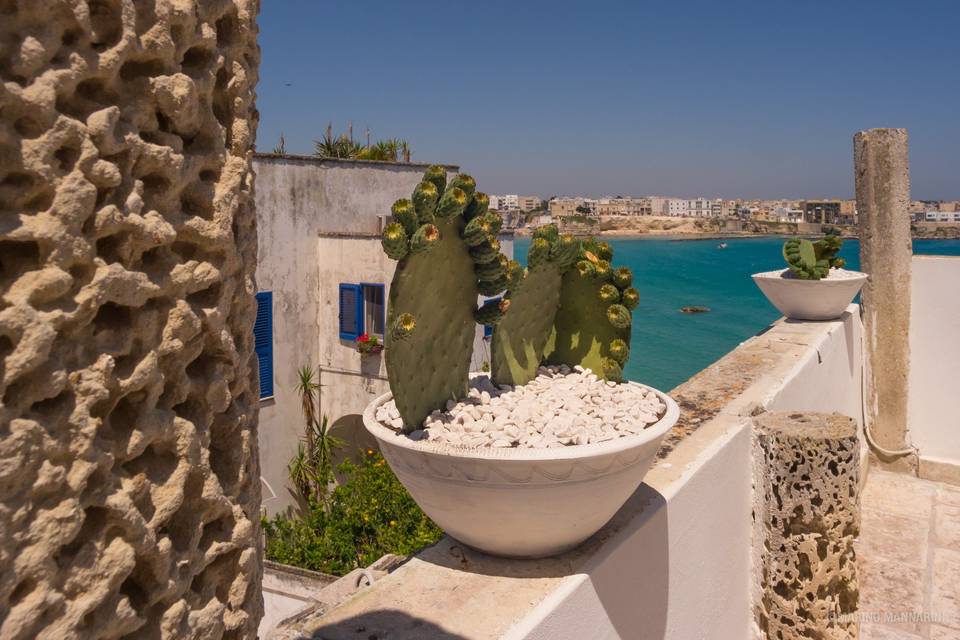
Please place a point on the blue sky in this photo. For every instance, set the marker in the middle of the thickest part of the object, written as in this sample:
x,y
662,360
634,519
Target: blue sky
x,y
721,99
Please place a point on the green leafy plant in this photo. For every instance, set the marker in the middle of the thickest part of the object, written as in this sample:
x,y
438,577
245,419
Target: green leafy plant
x,y
809,260
368,515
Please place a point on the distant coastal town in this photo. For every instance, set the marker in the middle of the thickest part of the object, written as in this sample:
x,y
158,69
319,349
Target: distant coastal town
x,y
632,215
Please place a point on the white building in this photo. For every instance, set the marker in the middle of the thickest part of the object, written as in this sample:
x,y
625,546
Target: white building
x,y
941,216
677,207
787,214
699,208
505,203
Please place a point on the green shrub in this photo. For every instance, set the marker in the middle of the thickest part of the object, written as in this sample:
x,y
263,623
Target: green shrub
x,y
368,515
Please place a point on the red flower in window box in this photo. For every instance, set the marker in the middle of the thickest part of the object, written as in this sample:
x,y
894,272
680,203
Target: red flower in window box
x,y
367,344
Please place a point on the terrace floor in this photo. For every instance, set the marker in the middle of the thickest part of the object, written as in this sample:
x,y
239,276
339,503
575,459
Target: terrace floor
x,y
909,559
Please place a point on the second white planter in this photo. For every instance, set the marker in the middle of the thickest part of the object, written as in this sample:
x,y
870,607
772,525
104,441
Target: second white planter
x,y
798,299
525,503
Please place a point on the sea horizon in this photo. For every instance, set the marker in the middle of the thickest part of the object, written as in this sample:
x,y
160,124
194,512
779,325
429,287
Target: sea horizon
x,y
669,346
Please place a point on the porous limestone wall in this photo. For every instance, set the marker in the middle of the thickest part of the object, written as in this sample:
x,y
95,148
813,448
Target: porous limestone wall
x,y
806,470
129,481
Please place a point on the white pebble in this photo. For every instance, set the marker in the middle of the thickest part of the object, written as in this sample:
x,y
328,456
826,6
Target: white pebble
x,y
562,406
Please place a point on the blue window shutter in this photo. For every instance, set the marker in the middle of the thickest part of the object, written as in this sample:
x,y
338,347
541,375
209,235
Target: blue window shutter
x,y
351,311
263,341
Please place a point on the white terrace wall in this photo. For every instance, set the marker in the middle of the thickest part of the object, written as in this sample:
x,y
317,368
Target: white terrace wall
x,y
129,483
933,409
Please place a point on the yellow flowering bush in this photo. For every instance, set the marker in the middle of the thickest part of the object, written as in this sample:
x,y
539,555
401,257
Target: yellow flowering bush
x,y
368,515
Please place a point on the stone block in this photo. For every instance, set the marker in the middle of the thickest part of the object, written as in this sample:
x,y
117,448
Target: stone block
x,y
806,518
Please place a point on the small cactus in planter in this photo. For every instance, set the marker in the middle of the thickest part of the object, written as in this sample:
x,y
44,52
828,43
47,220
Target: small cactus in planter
x,y
809,260
815,285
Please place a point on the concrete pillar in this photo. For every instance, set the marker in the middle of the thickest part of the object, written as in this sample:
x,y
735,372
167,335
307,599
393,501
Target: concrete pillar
x,y
882,174
129,481
806,515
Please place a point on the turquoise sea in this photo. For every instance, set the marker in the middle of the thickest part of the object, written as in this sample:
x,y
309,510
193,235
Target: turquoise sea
x,y
669,346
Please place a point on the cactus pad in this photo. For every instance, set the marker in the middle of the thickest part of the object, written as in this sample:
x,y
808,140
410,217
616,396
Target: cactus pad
x,y
591,328
425,198
395,242
404,213
432,307
477,207
813,260
521,337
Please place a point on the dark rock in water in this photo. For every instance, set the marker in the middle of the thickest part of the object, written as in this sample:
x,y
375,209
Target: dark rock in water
x,y
694,309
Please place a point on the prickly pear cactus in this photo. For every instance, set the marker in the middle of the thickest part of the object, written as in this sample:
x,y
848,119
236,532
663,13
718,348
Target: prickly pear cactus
x,y
519,340
432,307
592,323
813,260
827,249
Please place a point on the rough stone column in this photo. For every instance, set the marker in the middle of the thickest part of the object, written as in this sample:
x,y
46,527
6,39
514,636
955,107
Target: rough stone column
x,y
806,516
882,171
129,481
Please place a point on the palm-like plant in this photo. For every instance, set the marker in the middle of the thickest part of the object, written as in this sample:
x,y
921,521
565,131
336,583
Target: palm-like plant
x,y
324,445
344,146
300,472
312,468
308,390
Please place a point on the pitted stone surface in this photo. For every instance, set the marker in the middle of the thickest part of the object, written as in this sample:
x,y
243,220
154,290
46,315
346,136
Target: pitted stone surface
x,y
129,482
806,519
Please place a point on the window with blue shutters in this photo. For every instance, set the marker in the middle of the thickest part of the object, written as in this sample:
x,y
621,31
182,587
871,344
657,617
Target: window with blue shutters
x,y
263,342
351,311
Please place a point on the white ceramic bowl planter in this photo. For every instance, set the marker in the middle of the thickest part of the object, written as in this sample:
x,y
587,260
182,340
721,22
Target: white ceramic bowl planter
x,y
521,502
798,299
